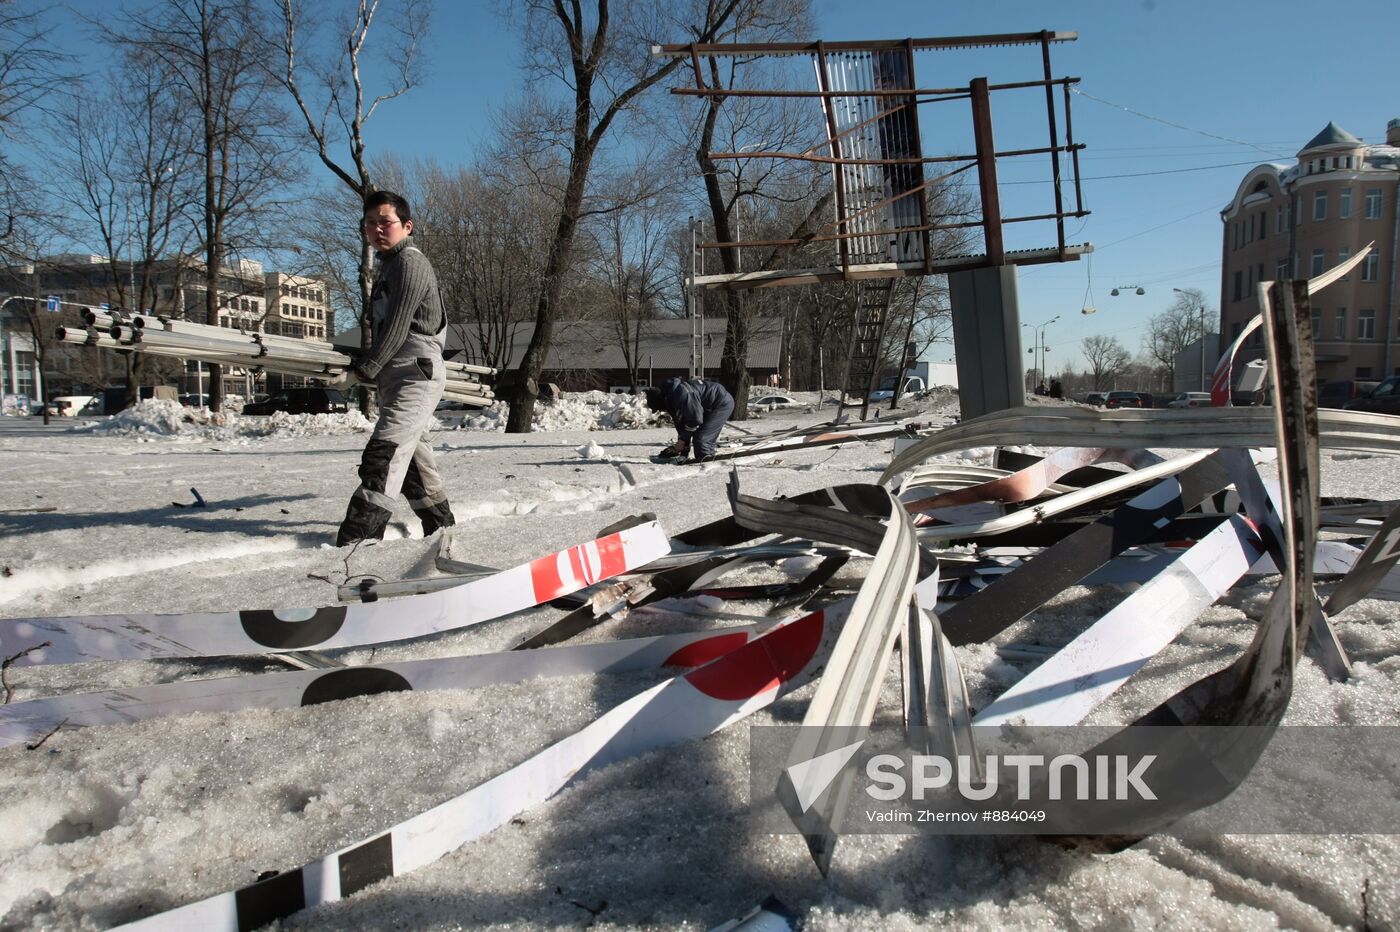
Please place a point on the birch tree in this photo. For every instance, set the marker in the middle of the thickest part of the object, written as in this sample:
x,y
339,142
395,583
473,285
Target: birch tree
x,y
325,75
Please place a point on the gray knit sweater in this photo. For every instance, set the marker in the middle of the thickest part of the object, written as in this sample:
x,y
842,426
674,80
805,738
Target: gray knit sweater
x,y
408,289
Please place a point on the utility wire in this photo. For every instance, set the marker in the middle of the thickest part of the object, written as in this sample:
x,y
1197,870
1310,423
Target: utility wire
x,y
1165,171
1148,116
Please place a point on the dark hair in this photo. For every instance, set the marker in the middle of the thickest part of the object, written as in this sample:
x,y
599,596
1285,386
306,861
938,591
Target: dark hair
x,y
396,201
654,399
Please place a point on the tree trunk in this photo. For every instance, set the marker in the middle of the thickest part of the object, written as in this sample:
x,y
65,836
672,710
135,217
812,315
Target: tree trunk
x,y
527,388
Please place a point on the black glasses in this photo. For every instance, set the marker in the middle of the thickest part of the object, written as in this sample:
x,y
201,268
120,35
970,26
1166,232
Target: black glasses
x,y
379,224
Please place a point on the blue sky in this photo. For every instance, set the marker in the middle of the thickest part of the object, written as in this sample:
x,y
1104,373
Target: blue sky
x,y
1190,95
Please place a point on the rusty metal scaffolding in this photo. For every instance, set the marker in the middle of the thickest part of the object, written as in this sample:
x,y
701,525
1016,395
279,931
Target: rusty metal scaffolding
x,y
870,107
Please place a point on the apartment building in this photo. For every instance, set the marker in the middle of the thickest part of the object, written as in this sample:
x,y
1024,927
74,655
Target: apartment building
x,y
297,307
1297,220
248,300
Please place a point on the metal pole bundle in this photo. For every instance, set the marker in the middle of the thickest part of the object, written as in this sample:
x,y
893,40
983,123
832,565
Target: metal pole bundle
x,y
181,339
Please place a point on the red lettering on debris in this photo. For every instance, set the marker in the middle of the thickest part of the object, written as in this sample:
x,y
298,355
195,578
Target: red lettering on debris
x,y
572,569
763,664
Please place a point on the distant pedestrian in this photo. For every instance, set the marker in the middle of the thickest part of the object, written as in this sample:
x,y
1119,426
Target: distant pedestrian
x,y
405,365
1056,389
1041,389
699,409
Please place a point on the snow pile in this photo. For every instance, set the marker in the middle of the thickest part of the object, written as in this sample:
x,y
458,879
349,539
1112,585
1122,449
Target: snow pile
x,y
164,418
595,411
576,411
159,416
281,425
592,452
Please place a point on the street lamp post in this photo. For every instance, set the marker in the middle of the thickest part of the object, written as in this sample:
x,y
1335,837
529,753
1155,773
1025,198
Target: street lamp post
x,y
1039,345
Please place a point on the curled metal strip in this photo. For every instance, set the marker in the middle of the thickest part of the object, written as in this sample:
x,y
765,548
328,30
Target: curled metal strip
x,y
1212,428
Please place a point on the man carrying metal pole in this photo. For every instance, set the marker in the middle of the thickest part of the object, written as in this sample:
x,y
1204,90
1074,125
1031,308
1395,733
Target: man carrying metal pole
x,y
405,364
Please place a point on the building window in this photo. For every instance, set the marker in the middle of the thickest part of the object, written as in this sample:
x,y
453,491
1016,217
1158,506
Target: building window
x,y
1343,253
1373,203
1340,326
1263,224
1344,204
1320,205
1366,325
1317,327
1281,271
1278,219
1239,284
1318,258
24,372
1363,372
1371,268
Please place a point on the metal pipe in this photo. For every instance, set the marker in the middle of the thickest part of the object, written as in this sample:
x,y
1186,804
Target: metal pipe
x,y
730,49
467,367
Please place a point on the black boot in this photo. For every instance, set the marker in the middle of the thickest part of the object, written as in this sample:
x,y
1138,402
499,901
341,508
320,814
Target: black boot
x,y
435,517
363,521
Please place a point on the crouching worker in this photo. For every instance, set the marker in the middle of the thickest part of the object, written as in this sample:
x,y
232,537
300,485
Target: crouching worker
x,y
699,409
409,330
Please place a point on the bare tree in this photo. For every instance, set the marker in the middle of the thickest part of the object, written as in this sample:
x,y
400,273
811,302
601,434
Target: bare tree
x,y
606,65
631,258
1171,331
213,54
337,114
1107,358
487,232
30,70
125,170
736,186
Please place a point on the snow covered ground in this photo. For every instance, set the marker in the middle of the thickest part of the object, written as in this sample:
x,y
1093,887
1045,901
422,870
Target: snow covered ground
x,y
104,825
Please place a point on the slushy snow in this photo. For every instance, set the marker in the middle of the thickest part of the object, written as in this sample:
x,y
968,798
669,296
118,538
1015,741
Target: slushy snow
x,y
106,825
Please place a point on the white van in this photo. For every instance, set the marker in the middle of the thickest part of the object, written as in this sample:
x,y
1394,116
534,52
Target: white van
x,y
74,405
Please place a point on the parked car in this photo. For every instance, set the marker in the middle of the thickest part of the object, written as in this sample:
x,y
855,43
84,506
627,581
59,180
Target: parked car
x,y
1335,393
1190,400
1096,399
1383,399
1145,399
194,401
885,392
1122,400
773,402
301,401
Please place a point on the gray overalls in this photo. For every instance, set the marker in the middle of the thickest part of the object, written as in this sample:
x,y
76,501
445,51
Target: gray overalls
x,y
409,376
